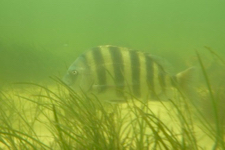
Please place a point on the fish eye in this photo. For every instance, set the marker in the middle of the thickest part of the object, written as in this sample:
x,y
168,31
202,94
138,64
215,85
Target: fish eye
x,y
74,72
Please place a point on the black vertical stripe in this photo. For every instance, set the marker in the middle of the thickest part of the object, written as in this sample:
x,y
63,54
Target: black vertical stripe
x,y
101,72
118,67
84,60
135,69
149,63
173,81
161,77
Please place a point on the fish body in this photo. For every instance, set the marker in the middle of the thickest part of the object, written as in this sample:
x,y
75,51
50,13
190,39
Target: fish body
x,y
117,73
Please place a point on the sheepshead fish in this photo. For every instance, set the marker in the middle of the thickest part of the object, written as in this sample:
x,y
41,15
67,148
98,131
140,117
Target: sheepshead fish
x,y
117,73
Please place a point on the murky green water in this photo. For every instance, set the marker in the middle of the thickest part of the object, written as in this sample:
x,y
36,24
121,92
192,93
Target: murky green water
x,y
42,38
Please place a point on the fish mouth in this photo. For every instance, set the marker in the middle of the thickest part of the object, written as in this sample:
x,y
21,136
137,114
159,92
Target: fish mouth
x,y
67,80
67,83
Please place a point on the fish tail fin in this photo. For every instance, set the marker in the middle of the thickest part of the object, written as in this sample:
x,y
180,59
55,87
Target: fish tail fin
x,y
185,82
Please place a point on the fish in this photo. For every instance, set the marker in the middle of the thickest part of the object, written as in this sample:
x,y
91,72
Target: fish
x,y
117,74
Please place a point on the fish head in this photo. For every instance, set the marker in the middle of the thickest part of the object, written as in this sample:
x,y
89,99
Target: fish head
x,y
76,76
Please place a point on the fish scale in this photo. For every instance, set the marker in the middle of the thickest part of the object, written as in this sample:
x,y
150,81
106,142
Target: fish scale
x,y
112,73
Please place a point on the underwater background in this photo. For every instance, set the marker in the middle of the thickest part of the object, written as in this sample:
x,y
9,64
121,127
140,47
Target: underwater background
x,y
40,39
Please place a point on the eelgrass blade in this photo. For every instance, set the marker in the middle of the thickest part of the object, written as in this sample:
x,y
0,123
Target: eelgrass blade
x,y
215,54
218,137
63,143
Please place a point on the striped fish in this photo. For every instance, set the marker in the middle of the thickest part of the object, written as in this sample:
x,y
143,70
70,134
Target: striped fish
x,y
117,73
